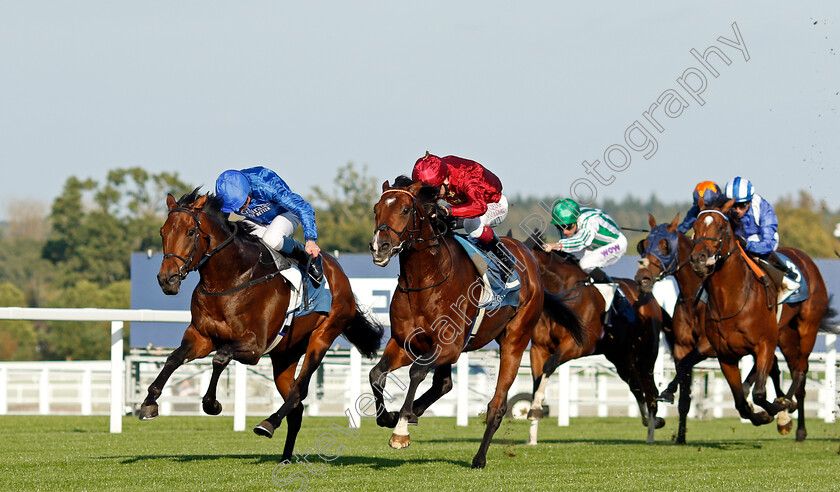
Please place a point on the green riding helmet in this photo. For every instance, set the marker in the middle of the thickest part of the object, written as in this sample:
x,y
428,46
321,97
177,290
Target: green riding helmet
x,y
565,212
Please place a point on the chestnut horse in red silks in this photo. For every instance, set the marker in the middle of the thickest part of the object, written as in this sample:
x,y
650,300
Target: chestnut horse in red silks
x,y
239,307
631,347
431,314
739,321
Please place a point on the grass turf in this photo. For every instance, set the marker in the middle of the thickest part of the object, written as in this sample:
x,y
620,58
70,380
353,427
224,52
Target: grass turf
x,y
203,453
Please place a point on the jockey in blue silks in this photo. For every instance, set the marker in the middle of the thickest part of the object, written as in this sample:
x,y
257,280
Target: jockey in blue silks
x,y
274,212
757,225
710,191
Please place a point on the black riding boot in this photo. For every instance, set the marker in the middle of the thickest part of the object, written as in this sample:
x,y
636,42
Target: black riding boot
x,y
316,270
507,263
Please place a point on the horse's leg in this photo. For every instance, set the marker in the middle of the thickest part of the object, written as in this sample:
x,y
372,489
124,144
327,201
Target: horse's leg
x,y
393,357
318,344
284,364
539,356
441,384
512,347
244,350
764,359
733,377
684,404
193,346
400,438
683,366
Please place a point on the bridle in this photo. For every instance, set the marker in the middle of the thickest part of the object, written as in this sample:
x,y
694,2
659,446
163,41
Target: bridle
x,y
667,266
184,269
413,228
727,236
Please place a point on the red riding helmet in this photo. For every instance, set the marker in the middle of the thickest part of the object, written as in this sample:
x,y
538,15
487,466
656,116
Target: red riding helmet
x,y
430,169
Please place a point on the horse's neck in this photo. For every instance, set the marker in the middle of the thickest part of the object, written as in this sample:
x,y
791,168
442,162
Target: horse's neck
x,y
688,281
568,273
732,272
428,262
230,262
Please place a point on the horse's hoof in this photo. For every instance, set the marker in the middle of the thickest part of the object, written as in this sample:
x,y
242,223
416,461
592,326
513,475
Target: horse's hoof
x,y
399,442
212,408
666,396
530,443
264,429
761,418
801,434
660,422
535,414
148,412
479,462
412,419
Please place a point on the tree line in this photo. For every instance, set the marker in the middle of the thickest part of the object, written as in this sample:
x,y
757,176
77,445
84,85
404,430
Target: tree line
x,y
76,252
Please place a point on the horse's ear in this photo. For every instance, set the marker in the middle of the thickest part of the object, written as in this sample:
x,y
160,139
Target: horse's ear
x,y
385,186
415,187
727,206
199,204
651,221
701,204
672,227
170,201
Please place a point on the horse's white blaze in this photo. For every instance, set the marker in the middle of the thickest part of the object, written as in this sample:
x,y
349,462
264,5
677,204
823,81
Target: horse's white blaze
x,y
644,263
402,427
389,201
711,261
708,220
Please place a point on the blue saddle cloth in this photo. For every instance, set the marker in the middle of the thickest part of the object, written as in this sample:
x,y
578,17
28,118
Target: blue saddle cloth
x,y
503,294
317,299
802,292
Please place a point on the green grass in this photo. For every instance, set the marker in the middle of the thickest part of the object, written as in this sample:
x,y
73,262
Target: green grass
x,y
203,453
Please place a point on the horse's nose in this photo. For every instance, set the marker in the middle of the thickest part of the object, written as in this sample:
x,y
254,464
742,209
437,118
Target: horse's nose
x,y
643,280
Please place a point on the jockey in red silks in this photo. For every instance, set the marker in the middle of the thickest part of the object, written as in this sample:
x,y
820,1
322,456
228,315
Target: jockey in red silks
x,y
474,197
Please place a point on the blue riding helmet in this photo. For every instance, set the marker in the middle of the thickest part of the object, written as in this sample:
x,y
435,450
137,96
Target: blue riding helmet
x,y
740,189
233,187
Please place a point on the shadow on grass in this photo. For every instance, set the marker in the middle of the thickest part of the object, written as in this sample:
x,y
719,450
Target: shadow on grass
x,y
372,462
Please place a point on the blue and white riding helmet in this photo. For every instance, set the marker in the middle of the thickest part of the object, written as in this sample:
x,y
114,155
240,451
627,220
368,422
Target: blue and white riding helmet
x,y
740,189
233,187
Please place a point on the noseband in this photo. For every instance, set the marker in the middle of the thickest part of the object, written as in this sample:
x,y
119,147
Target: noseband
x,y
185,267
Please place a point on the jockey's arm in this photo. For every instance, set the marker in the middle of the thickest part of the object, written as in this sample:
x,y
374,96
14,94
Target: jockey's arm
x,y
688,221
474,204
581,240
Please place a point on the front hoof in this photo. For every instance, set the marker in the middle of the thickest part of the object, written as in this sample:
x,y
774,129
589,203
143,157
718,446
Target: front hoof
x,y
801,434
479,462
212,407
264,429
399,442
784,423
660,422
785,403
148,412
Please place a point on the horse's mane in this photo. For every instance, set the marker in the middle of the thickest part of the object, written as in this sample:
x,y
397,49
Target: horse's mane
x,y
537,238
427,199
213,208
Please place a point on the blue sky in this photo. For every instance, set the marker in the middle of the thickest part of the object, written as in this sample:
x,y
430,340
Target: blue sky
x,y
531,91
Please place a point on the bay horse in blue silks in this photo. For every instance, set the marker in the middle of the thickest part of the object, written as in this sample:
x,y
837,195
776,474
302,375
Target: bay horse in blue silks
x,y
432,317
742,317
239,308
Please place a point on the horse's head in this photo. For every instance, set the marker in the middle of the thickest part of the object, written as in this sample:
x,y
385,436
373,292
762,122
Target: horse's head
x,y
712,237
659,253
403,215
184,240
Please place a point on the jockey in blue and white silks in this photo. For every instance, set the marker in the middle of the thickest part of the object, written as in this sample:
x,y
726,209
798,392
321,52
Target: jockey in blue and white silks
x,y
759,225
273,211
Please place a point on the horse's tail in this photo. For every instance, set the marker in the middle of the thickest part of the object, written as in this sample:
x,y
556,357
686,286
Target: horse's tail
x,y
828,326
557,309
365,333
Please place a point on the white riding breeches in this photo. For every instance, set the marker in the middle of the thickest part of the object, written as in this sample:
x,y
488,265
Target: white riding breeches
x,y
495,214
604,256
275,233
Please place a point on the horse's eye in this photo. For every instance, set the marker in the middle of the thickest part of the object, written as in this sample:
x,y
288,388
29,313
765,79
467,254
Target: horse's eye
x,y
405,210
191,233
